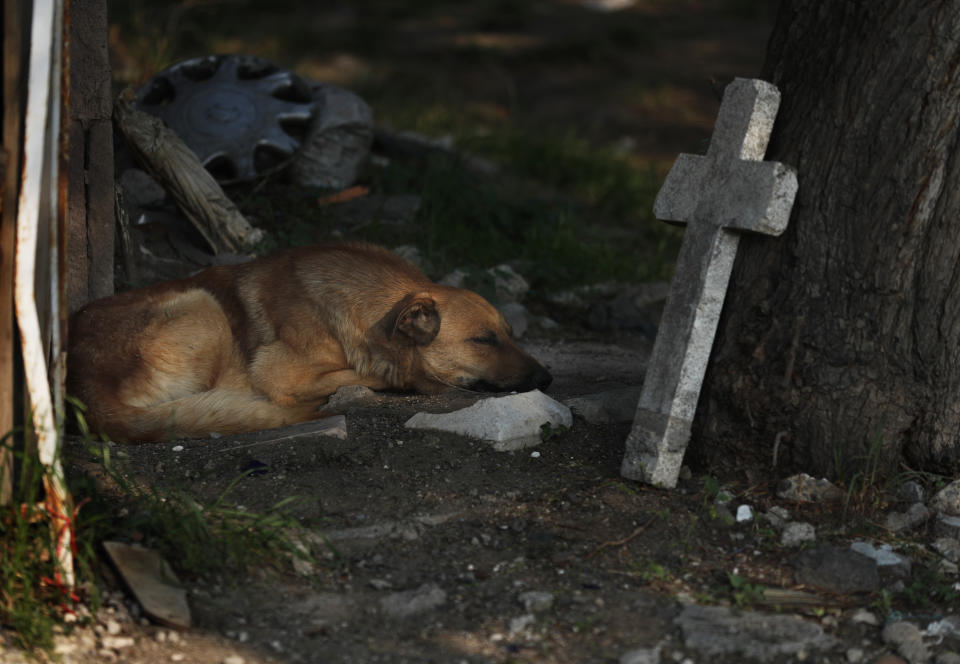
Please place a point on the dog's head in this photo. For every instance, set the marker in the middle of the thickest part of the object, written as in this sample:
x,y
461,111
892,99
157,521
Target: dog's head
x,y
462,341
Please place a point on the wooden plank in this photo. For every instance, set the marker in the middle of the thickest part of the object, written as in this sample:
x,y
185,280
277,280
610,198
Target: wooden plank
x,y
14,43
90,188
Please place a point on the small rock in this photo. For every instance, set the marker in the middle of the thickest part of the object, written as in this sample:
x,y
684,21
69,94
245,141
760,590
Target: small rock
x,y
948,658
948,547
718,630
641,656
805,489
606,407
234,659
886,558
536,600
899,522
836,569
508,286
517,317
797,533
744,514
864,617
907,638
911,492
520,623
510,423
347,396
855,655
113,627
546,323
947,499
412,602
947,526
116,642
778,516
948,568
380,584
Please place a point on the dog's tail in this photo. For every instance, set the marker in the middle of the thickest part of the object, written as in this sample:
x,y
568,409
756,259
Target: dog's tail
x,y
218,411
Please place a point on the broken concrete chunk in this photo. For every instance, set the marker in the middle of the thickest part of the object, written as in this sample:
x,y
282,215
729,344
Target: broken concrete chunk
x,y
510,423
899,522
152,582
947,499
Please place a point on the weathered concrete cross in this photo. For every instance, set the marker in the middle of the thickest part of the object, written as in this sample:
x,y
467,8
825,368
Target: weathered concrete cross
x,y
729,188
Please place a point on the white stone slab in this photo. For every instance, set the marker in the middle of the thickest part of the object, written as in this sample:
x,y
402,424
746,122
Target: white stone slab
x,y
509,423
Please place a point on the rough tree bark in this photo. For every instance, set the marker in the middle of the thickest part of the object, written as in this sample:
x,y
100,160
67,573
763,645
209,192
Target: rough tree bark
x,y
841,340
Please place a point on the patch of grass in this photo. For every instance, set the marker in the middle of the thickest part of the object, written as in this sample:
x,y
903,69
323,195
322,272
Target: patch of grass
x,y
33,598
929,587
466,223
864,477
201,538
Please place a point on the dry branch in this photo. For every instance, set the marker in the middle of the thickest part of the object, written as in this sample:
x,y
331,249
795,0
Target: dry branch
x,y
174,165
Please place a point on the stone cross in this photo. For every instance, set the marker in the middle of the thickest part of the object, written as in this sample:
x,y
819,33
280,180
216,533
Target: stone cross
x,y
728,190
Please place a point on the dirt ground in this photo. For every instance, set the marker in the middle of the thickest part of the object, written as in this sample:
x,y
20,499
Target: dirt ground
x,y
432,547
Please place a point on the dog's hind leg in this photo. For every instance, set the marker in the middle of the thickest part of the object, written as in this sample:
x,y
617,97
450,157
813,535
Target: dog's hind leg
x,y
218,411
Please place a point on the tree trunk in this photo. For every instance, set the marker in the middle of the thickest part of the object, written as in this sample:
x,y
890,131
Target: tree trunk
x,y
841,340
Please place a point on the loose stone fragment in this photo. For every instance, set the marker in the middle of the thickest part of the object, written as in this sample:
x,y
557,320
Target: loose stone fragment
x,y
886,558
797,533
836,569
947,499
717,631
803,488
899,522
907,638
510,423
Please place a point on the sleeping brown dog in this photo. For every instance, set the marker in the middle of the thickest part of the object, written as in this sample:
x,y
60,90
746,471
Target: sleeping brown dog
x,y
263,344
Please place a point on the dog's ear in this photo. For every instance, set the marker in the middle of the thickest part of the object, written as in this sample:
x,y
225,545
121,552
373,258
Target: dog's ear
x,y
418,319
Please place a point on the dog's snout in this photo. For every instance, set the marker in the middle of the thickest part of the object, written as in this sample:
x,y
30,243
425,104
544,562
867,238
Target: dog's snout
x,y
541,378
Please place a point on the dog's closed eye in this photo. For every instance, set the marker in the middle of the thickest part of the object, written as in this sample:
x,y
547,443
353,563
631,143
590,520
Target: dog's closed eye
x,y
488,338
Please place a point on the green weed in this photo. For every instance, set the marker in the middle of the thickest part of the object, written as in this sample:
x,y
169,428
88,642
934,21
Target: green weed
x,y
203,538
743,592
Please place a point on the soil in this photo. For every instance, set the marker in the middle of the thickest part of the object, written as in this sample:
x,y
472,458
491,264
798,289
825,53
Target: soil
x,y
424,544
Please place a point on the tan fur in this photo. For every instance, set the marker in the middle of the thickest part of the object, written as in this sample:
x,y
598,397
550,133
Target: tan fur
x,y
263,344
